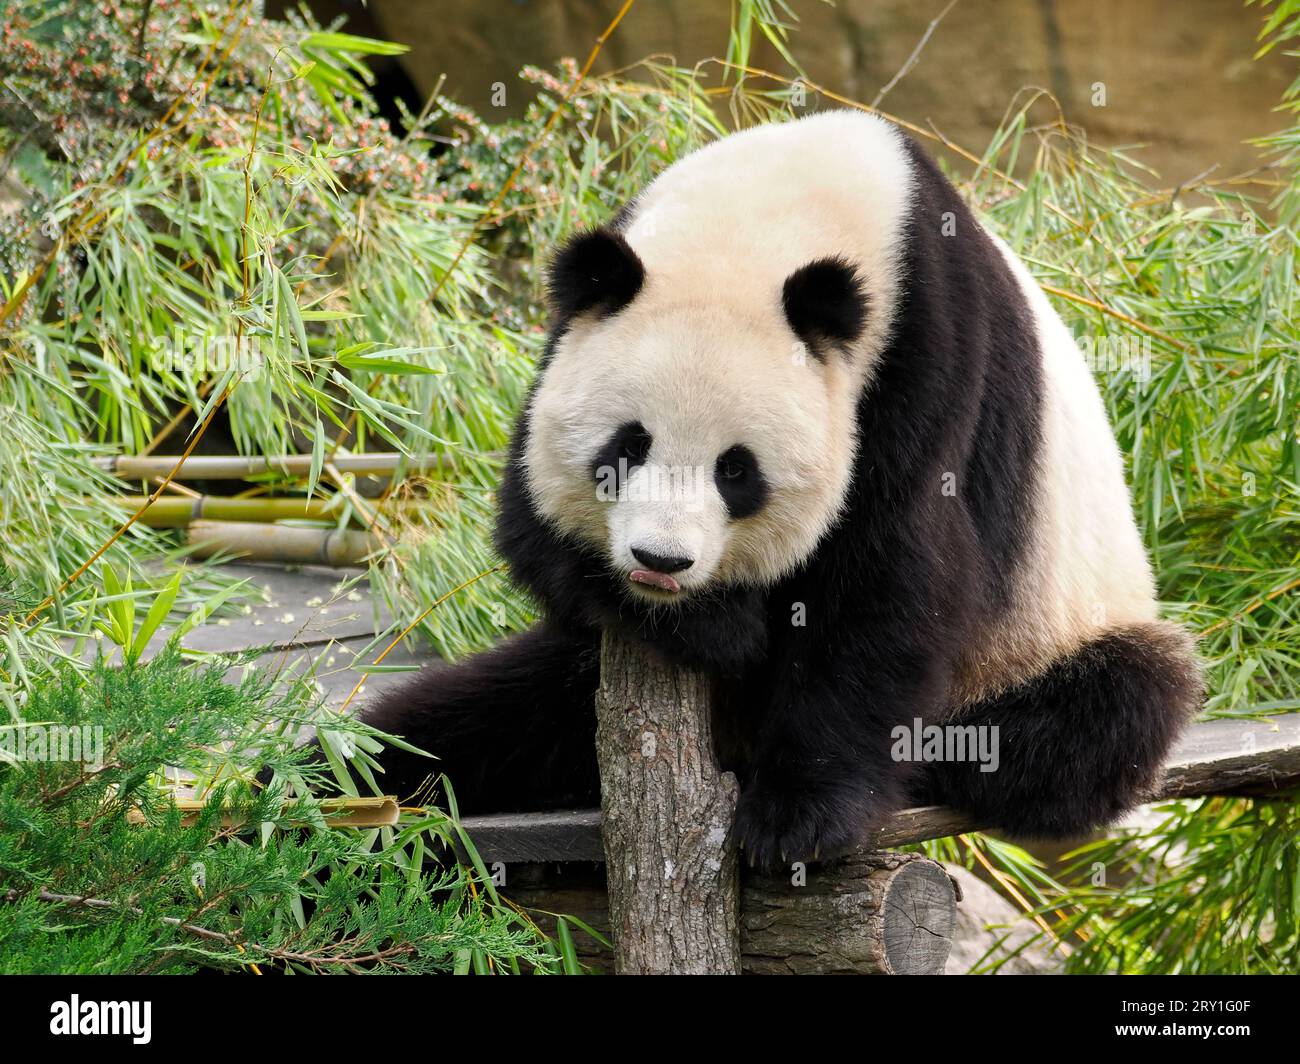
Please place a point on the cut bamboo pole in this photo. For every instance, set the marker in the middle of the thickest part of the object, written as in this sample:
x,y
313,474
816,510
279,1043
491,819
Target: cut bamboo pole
x,y
180,511
381,812
281,543
238,467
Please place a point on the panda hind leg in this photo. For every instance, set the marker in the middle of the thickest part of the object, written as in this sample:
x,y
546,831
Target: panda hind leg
x,y
512,728
1082,743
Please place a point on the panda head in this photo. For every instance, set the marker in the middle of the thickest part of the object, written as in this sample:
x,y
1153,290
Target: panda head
x,y
694,439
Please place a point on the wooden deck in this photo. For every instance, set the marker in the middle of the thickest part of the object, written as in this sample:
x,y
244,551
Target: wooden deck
x,y
308,618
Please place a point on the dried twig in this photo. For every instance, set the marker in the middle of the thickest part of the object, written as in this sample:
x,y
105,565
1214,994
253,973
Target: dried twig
x,y
906,68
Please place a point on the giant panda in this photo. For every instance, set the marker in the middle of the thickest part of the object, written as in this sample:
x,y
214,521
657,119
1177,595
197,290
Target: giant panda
x,y
804,424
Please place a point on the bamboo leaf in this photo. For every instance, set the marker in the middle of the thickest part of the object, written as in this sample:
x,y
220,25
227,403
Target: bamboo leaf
x,y
162,606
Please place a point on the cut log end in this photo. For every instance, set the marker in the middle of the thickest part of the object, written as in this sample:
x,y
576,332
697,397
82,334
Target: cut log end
x,y
920,911
869,913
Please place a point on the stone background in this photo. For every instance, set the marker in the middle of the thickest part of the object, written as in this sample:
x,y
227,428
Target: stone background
x,y
1179,77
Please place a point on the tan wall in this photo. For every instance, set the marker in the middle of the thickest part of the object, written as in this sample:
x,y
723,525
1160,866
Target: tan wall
x,y
1178,76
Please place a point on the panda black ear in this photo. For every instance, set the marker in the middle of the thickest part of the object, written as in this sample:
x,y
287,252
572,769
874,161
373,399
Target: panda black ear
x,y
595,270
825,302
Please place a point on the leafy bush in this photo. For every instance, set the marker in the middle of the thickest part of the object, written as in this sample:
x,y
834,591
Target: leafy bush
x,y
100,874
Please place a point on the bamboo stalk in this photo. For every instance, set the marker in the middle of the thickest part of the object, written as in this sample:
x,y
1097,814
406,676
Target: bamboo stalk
x,y
178,511
281,543
379,812
182,511
237,467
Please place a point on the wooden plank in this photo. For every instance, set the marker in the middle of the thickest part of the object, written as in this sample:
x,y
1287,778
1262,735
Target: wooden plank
x,y
312,615
1235,757
562,835
1226,756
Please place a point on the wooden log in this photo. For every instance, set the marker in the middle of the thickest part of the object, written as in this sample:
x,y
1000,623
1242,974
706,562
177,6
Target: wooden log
x,y
667,814
866,914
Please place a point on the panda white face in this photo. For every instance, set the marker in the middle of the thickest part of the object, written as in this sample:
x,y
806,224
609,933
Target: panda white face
x,y
691,446
717,337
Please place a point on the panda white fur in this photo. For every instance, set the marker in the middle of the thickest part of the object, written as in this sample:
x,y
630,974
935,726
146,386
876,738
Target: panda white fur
x,y
802,422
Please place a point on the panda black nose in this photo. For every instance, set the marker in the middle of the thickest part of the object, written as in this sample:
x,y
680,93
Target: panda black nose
x,y
661,563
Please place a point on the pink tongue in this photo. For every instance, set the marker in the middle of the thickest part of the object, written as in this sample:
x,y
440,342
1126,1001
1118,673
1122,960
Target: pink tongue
x,y
660,580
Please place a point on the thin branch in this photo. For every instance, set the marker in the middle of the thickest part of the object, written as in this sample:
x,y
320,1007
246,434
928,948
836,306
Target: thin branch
x,y
1119,315
916,54
86,902
1263,600
410,627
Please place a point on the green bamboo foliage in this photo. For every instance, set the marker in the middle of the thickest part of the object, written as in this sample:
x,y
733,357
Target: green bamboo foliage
x,y
102,874
273,237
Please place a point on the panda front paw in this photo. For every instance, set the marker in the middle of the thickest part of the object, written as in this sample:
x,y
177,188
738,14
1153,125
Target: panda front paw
x,y
777,825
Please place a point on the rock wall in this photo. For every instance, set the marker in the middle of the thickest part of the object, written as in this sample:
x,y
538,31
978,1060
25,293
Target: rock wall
x,y
1177,77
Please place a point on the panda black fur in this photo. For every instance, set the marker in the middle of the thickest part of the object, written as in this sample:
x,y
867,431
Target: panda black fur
x,y
913,508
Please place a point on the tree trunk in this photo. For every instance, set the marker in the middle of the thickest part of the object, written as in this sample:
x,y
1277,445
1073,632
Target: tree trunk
x,y
667,814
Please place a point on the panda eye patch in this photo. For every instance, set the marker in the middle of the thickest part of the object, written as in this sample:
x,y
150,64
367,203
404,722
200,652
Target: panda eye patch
x,y
731,464
627,447
635,443
740,481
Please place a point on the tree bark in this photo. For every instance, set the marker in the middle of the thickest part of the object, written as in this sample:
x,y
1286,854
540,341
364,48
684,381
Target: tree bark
x,y
667,814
